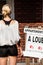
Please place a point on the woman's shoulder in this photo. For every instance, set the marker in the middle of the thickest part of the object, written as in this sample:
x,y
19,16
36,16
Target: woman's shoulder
x,y
14,21
1,21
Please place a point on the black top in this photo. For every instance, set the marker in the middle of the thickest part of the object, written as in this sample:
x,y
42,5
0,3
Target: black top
x,y
7,22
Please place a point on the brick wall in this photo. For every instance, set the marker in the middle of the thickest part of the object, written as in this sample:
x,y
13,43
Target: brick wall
x,y
28,10
21,28
28,13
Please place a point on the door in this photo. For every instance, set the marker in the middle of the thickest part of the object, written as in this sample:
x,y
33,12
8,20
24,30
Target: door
x,y
2,2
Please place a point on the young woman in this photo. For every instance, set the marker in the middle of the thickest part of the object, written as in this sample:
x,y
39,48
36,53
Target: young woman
x,y
9,37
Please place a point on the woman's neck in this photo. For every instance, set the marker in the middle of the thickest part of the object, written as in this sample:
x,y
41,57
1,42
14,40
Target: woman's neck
x,y
7,18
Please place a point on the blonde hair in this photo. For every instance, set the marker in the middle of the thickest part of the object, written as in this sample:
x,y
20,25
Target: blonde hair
x,y
6,8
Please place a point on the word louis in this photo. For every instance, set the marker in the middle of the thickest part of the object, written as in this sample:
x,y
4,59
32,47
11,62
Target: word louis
x,y
35,39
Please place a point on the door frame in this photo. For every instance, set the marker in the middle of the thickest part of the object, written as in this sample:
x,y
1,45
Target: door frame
x,y
11,3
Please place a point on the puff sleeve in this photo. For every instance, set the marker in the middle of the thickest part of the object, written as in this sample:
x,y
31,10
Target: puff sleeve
x,y
17,34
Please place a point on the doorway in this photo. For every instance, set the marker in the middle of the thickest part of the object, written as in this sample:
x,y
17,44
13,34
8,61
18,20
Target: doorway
x,y
2,2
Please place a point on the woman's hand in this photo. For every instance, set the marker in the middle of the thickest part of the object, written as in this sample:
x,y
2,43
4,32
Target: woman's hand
x,y
21,52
